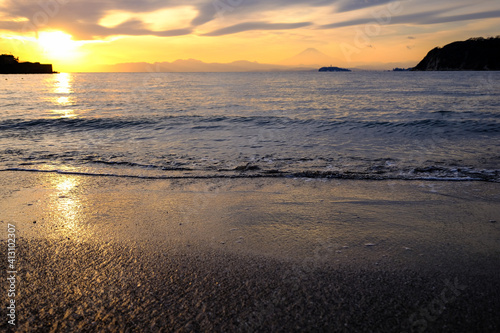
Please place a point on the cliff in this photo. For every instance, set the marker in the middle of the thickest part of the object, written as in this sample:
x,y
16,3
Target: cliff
x,y
475,54
11,65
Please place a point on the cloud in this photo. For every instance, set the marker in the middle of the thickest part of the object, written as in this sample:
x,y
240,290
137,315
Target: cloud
x,y
129,28
350,5
422,18
256,26
82,18
465,17
211,10
409,18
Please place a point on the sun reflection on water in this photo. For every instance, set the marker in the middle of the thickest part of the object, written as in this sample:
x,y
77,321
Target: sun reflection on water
x,y
63,90
64,83
63,101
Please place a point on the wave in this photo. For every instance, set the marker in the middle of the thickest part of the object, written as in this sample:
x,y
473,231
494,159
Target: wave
x,y
420,174
486,125
72,123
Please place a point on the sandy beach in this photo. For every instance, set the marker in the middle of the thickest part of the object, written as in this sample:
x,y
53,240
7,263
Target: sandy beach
x,y
251,255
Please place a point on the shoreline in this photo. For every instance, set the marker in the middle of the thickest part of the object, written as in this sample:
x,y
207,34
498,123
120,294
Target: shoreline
x,y
253,254
238,174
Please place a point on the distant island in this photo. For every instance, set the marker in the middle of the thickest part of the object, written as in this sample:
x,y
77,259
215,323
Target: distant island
x,y
475,54
11,65
333,69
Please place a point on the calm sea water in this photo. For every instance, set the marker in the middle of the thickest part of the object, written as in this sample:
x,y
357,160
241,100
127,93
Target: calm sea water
x,y
362,125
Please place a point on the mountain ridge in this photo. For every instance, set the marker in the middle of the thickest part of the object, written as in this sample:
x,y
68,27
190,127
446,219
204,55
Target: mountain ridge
x,y
308,60
194,65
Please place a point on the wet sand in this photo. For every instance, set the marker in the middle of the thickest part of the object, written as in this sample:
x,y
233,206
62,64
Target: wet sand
x,y
261,255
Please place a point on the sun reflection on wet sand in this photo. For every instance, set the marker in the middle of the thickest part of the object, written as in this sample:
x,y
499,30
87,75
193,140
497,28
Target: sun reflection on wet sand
x,y
63,88
66,206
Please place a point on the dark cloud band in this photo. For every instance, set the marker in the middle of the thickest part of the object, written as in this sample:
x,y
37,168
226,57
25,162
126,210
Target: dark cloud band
x,y
248,26
423,18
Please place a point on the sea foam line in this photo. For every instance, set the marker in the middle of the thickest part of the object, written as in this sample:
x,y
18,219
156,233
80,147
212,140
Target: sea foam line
x,y
300,175
79,173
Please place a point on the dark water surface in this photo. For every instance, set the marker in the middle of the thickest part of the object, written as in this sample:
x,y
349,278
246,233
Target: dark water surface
x,y
361,125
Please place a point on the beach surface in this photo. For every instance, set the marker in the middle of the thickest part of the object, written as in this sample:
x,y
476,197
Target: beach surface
x,y
96,253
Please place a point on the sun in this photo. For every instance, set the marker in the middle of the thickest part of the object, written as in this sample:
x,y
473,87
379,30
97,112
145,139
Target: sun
x,y
58,45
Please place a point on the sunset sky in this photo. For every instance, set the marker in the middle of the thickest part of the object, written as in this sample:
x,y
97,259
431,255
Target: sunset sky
x,y
78,35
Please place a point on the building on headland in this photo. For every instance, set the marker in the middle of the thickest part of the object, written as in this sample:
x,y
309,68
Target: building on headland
x,y
11,65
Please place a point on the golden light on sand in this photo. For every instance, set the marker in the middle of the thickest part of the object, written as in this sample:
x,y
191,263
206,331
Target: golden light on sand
x,y
66,184
67,205
58,45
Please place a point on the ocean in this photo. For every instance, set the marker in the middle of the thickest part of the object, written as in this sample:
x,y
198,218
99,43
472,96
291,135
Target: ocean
x,y
357,125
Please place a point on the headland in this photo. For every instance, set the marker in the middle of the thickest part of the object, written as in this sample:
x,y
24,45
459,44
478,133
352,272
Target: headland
x,y
11,65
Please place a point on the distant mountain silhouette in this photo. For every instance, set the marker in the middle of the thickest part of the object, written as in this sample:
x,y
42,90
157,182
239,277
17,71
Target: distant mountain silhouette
x,y
477,54
309,57
193,65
